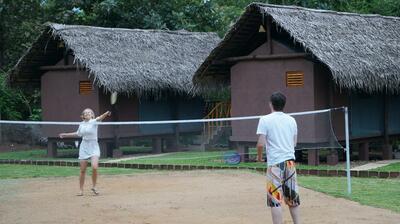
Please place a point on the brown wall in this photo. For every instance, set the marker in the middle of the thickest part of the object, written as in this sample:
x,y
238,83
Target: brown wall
x,y
252,83
277,48
61,100
126,109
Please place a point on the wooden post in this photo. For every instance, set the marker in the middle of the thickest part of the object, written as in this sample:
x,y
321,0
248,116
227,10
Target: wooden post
x,y
157,145
51,148
243,151
333,157
363,151
269,36
313,157
103,148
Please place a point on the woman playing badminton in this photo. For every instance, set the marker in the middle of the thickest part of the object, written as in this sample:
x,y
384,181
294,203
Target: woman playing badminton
x,y
89,147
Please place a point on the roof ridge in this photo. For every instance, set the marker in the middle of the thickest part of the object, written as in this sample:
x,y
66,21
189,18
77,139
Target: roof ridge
x,y
58,27
259,4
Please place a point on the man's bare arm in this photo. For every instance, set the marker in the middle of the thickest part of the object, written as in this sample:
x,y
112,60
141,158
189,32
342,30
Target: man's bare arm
x,y
260,146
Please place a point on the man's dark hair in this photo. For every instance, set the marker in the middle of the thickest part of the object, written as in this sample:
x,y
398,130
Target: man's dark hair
x,y
278,101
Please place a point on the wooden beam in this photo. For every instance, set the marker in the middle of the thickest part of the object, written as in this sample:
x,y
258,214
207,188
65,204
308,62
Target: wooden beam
x,y
269,36
261,57
59,67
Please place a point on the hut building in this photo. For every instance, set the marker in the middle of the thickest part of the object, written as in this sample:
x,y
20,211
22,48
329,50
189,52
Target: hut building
x,y
319,59
78,67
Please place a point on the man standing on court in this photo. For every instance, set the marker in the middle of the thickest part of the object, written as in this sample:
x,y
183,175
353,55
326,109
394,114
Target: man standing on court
x,y
278,135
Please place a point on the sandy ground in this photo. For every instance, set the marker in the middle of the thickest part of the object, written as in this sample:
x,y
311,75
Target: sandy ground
x,y
173,197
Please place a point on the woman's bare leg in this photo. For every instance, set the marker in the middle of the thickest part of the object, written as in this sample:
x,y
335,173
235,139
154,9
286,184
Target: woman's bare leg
x,y
95,165
83,164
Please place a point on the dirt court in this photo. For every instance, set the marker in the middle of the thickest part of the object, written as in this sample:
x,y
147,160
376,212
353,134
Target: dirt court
x,y
169,197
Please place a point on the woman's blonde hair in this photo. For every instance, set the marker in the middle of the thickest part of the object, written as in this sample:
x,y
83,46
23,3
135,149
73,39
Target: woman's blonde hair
x,y
88,110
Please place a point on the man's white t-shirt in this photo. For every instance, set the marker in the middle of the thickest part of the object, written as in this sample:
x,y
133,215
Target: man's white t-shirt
x,y
280,130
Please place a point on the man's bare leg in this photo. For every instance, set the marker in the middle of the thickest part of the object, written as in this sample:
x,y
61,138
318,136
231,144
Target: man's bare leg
x,y
276,213
295,213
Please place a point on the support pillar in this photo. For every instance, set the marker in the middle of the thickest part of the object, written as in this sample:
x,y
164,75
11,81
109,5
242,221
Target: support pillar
x,y
171,144
103,149
387,152
313,157
243,152
157,145
363,151
51,148
333,157
299,155
106,149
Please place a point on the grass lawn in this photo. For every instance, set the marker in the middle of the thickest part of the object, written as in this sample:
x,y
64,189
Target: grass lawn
x,y
65,154
382,193
209,158
214,158
30,171
127,150
390,167
40,154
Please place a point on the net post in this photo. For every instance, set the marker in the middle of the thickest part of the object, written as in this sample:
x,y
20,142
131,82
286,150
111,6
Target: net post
x,y
346,120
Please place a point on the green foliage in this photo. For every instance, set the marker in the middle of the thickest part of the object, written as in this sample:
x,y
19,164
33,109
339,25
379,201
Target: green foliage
x,y
18,26
36,115
21,22
10,101
218,96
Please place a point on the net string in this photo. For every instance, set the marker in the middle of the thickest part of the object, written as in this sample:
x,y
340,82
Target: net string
x,y
166,121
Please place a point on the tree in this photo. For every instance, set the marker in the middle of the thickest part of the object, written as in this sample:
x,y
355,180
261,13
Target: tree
x,y
21,21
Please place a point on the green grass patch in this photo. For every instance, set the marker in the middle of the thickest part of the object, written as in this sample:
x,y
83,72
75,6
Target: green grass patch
x,y
381,193
214,158
31,171
394,167
41,154
127,150
209,158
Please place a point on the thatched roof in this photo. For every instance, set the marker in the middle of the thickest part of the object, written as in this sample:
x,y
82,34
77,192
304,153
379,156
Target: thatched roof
x,y
361,51
122,60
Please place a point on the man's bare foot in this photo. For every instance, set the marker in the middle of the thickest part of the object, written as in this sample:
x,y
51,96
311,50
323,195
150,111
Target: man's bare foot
x,y
94,190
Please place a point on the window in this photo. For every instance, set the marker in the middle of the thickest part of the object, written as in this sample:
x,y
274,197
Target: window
x,y
294,79
85,87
